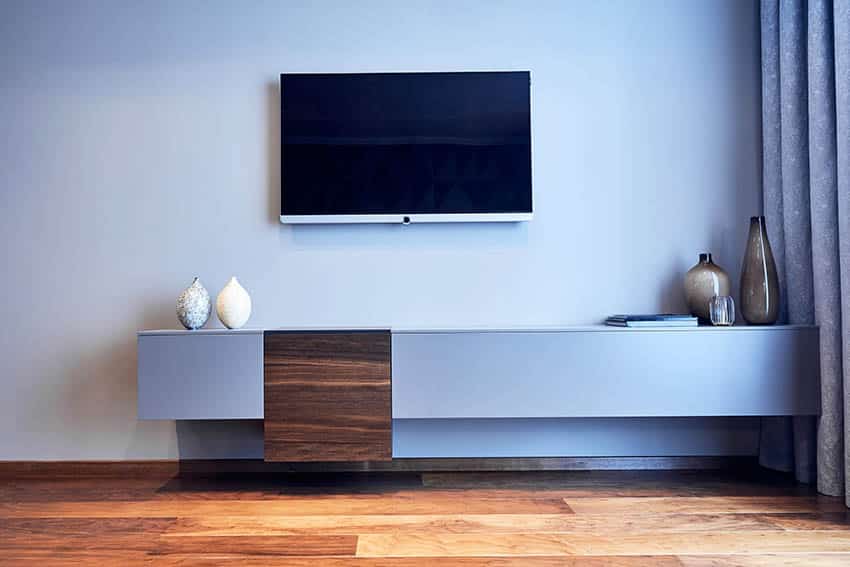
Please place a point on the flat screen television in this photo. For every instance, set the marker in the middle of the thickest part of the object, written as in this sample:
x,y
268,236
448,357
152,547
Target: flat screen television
x,y
405,147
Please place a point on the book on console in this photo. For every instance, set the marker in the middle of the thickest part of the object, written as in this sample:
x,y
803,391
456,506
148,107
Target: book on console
x,y
653,320
652,324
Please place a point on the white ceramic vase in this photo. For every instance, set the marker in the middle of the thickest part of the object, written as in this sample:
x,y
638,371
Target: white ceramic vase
x,y
194,306
233,305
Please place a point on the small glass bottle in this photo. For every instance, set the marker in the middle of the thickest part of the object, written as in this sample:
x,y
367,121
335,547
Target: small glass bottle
x,y
722,310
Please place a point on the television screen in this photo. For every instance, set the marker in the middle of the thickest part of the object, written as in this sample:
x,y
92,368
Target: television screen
x,y
391,147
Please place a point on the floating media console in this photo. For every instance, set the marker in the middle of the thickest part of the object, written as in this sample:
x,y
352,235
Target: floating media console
x,y
344,394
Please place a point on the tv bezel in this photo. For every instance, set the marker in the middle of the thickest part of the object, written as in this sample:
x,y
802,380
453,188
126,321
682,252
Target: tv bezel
x,y
406,218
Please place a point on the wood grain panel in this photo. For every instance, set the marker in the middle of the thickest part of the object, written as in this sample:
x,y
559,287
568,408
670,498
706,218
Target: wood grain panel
x,y
327,396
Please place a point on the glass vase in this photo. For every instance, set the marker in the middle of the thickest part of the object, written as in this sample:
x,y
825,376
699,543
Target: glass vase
x,y
722,310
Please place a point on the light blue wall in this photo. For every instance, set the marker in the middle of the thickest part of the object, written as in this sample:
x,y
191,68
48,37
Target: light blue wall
x,y
139,148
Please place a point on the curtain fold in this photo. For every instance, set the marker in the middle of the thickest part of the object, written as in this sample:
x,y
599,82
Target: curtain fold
x,y
841,16
806,184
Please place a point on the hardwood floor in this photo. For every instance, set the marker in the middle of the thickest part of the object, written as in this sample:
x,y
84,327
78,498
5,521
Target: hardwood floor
x,y
627,518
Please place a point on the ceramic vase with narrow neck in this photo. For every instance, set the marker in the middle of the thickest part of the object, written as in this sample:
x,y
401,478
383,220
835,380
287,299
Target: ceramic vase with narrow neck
x,y
759,282
233,305
702,282
194,306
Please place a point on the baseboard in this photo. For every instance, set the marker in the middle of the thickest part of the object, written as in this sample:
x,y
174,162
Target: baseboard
x,y
168,468
88,469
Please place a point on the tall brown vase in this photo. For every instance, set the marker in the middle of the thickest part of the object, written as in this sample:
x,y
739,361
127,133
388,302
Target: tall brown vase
x,y
759,282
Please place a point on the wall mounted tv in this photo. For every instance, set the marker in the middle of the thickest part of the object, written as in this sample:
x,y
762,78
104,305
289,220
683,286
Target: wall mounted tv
x,y
405,147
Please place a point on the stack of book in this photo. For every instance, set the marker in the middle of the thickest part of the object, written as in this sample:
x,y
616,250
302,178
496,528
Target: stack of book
x,y
654,320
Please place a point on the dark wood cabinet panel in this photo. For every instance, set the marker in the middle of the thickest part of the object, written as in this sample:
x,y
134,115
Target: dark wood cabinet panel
x,y
328,396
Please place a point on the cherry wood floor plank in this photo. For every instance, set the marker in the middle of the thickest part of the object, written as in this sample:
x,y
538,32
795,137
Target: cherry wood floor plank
x,y
628,483
468,523
82,535
268,489
133,490
402,502
768,560
300,545
539,561
225,487
521,544
812,520
138,543
264,486
74,558
83,527
460,545
63,558
706,505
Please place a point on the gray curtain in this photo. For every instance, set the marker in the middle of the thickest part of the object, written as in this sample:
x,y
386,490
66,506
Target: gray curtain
x,y
806,176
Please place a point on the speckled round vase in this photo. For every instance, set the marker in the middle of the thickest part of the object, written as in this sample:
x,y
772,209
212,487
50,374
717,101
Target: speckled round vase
x,y
233,305
759,282
702,282
194,306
